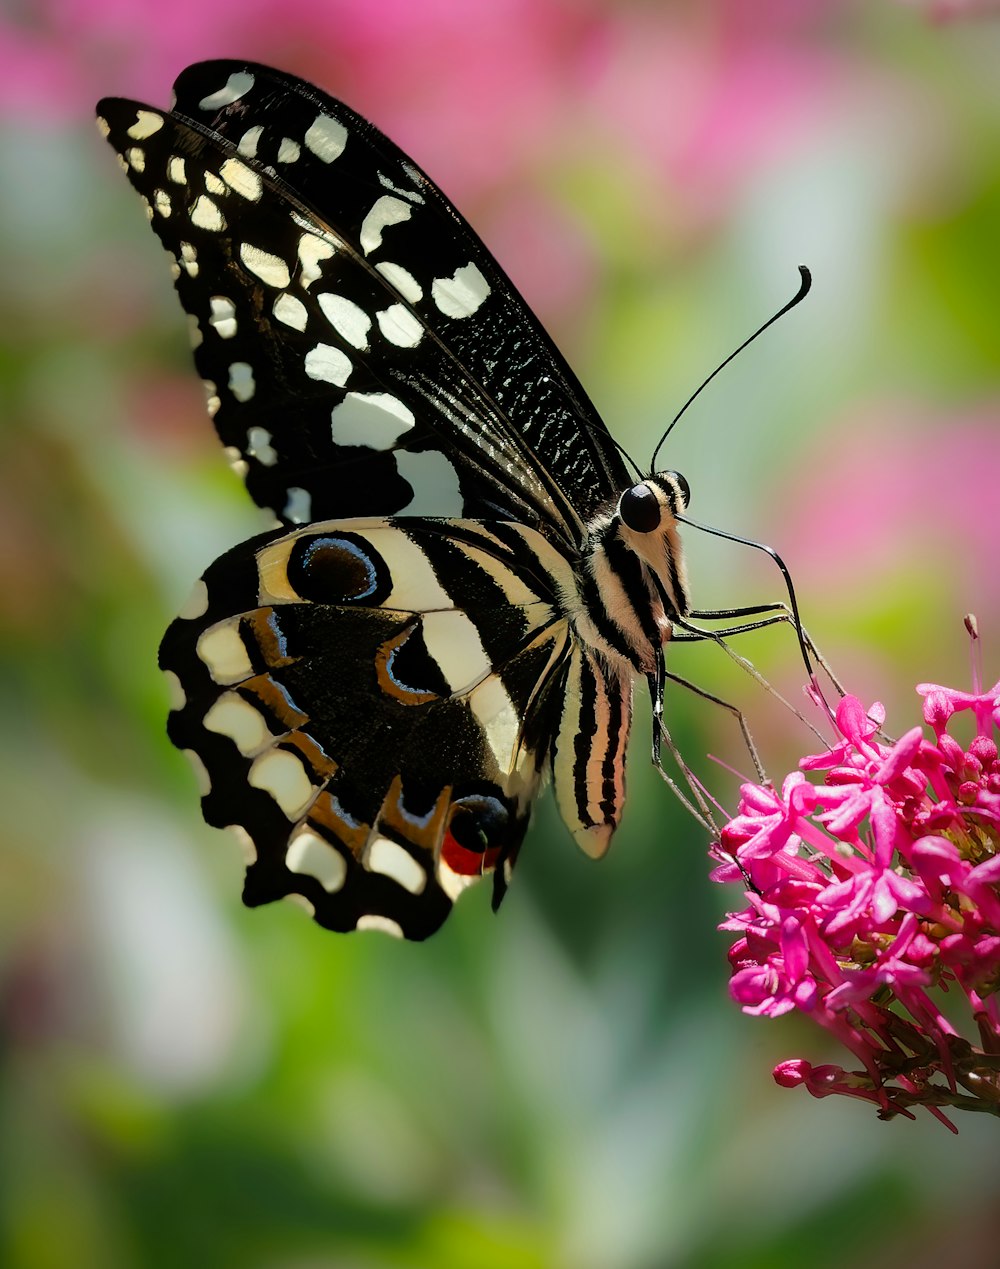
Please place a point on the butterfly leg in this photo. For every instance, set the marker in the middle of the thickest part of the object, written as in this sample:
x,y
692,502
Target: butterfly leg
x,y
696,805
777,613
735,711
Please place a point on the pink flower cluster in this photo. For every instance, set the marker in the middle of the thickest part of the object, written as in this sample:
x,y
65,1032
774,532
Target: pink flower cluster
x,y
874,906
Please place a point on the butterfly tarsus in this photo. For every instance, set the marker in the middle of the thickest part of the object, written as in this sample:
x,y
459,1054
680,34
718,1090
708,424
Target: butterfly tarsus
x,y
779,612
793,606
736,712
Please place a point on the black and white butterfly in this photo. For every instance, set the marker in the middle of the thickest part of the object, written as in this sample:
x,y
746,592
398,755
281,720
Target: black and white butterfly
x,y
467,579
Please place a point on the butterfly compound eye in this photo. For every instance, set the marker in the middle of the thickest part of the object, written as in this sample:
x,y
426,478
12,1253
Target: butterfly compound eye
x,y
639,509
683,488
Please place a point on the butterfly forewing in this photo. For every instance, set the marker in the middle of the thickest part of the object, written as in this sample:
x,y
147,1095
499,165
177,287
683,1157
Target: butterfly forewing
x,y
362,351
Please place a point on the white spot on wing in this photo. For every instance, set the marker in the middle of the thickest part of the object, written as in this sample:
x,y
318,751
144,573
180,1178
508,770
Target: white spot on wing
x,y
399,326
386,211
415,585
236,460
298,505
242,179
249,141
245,842
300,901
213,184
412,195
269,268
175,689
310,856
391,860
146,123
436,491
212,399
453,883
196,604
207,215
189,259
401,280
200,772
326,138
328,364
230,715
175,170
370,921
222,650
313,249
291,311
349,321
494,709
281,773
452,639
136,158
259,446
374,419
241,381
288,150
223,316
462,293
238,83
161,201
195,336
103,127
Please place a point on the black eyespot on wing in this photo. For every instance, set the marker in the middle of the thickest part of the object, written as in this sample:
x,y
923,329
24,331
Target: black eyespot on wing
x,y
478,822
339,568
639,509
484,835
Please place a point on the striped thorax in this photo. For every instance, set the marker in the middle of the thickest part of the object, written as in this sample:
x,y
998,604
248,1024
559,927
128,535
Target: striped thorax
x,y
633,579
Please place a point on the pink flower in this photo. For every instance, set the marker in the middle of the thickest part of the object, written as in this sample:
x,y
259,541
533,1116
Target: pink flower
x,y
874,906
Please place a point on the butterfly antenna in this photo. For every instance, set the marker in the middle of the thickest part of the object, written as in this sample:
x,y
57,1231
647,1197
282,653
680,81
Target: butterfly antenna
x,y
804,286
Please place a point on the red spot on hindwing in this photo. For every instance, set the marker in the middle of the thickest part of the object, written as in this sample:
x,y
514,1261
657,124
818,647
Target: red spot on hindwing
x,y
465,862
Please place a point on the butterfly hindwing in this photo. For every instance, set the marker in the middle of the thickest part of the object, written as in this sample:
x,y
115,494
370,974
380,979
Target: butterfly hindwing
x,y
376,742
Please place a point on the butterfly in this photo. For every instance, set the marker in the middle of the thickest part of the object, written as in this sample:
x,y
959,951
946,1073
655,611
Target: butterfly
x,y
465,581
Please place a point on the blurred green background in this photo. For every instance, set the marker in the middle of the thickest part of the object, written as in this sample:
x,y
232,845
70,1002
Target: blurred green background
x,y
186,1082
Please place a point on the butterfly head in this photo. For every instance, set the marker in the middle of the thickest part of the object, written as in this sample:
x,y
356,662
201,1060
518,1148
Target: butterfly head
x,y
647,506
645,521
